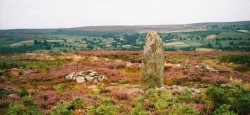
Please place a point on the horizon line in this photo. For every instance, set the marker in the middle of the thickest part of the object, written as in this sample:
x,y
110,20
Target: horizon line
x,y
122,25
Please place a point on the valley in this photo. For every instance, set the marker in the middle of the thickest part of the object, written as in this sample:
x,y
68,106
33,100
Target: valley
x,y
231,36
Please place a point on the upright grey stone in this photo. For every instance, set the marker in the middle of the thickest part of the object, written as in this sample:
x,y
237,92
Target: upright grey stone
x,y
152,69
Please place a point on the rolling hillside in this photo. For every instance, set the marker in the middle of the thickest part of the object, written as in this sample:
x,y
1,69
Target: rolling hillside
x,y
224,36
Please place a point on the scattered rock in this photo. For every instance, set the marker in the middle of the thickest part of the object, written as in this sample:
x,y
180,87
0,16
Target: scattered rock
x,y
178,89
211,69
86,76
113,84
226,85
12,95
27,71
152,68
161,88
195,86
204,86
135,90
174,87
197,91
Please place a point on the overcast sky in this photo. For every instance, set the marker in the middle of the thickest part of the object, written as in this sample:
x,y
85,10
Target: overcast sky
x,y
77,13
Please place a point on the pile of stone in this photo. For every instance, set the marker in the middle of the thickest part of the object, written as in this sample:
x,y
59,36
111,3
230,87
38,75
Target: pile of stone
x,y
86,76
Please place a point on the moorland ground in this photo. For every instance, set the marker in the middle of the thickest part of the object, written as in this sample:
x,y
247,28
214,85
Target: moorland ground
x,y
194,83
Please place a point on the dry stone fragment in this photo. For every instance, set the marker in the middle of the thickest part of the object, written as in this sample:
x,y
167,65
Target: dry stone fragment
x,y
89,79
80,79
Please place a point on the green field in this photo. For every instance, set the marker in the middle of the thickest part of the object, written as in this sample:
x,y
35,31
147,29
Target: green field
x,y
225,37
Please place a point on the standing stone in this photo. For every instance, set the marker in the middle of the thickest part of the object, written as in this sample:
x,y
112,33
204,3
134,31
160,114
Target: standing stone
x,y
152,69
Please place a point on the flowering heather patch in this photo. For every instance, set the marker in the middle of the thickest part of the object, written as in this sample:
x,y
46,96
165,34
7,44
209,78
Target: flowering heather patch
x,y
176,91
198,107
122,88
113,69
9,87
115,65
176,75
132,56
243,76
71,94
46,99
121,96
4,102
215,79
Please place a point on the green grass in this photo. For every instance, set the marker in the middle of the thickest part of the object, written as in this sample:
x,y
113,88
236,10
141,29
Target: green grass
x,y
80,41
192,43
233,34
197,33
7,41
21,43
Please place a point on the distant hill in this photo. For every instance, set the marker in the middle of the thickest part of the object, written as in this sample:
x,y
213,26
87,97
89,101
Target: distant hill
x,y
159,28
128,29
209,36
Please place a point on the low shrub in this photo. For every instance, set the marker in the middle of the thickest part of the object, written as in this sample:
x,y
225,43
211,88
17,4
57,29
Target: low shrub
x,y
182,110
62,109
242,68
139,110
152,81
186,96
67,108
59,87
27,107
224,110
106,108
